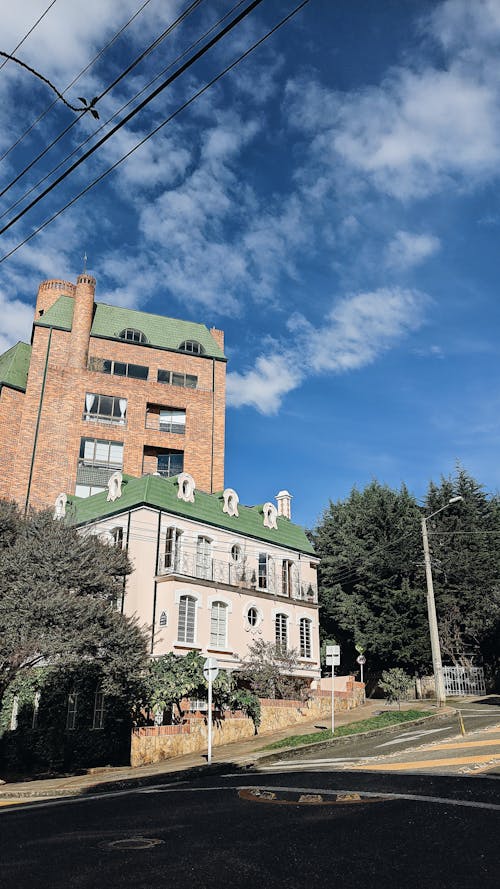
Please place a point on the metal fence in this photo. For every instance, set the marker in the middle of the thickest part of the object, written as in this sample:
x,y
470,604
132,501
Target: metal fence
x,y
459,681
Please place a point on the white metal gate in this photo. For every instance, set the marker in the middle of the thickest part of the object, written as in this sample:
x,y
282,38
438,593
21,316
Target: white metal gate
x,y
460,681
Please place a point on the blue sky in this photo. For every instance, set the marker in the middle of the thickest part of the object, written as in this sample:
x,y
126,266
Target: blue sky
x,y
332,204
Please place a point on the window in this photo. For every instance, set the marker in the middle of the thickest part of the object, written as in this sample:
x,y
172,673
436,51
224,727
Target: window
x,y
218,625
117,535
203,558
192,346
264,571
281,632
187,619
163,619
118,368
170,463
88,490
172,420
36,709
72,710
105,408
172,560
286,577
133,336
305,637
252,616
172,378
236,553
99,452
98,720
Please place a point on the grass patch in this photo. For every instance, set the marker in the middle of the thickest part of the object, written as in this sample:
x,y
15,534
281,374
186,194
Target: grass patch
x,y
354,728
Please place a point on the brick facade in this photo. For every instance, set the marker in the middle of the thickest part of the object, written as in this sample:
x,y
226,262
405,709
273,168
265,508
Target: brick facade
x,y
41,429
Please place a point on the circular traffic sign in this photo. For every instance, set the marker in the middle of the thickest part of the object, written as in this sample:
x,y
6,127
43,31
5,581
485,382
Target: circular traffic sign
x,y
361,659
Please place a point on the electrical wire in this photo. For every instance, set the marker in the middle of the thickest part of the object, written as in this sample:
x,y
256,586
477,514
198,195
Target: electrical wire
x,y
96,99
200,92
49,7
123,107
75,79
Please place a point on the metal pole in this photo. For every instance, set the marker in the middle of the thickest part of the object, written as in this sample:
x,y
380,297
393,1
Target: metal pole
x,y
333,698
209,757
433,627
361,665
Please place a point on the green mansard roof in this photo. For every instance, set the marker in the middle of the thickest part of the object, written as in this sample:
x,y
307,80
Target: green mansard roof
x,y
161,493
109,321
14,366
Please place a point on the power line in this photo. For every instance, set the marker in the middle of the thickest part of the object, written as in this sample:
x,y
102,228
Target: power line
x,y
49,7
145,102
96,99
75,79
119,111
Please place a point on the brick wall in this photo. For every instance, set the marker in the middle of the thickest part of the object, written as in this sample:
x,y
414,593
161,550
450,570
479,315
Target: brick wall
x,y
62,422
11,410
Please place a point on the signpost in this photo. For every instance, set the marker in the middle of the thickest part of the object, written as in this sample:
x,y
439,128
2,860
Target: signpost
x,y
361,660
210,672
333,660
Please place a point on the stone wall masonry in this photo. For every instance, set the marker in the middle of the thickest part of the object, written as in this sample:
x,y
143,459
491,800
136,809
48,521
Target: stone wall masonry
x,y
157,743
11,411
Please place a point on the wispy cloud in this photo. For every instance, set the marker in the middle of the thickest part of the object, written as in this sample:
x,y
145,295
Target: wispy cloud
x,y
357,330
407,250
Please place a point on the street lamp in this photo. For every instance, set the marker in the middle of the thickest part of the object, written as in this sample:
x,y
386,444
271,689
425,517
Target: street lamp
x,y
431,609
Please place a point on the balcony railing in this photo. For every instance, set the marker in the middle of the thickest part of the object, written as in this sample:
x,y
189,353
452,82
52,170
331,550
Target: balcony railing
x,y
153,422
104,418
234,574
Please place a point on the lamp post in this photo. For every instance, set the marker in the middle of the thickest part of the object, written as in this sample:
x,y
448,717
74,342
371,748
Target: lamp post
x,y
431,609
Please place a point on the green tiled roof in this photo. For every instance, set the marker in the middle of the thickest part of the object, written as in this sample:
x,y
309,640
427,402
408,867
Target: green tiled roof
x,y
109,321
14,366
161,493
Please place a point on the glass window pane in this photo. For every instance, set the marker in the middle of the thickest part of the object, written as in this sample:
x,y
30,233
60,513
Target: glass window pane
x,y
105,405
138,371
120,369
82,491
116,453
102,451
177,379
164,376
88,448
191,382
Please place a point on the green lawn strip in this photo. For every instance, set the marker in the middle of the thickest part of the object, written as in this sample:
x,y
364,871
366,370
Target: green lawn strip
x,y
354,728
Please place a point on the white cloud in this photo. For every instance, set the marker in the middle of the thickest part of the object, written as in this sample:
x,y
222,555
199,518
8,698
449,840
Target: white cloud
x,y
407,249
357,330
264,386
17,318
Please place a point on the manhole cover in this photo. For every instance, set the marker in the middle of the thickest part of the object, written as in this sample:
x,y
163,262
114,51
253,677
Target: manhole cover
x,y
133,843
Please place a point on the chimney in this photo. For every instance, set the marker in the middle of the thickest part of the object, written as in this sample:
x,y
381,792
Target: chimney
x,y
284,501
83,314
218,336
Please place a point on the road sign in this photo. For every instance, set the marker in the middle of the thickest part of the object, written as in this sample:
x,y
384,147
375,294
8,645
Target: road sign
x,y
210,669
333,660
333,650
361,659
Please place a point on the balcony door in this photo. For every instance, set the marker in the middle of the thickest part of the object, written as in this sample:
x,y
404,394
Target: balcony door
x,y
204,558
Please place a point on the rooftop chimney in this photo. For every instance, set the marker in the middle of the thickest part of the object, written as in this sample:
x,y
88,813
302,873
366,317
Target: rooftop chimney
x,y
284,501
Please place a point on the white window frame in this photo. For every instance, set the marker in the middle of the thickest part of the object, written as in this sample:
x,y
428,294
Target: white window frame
x,y
72,711
190,599
305,640
203,565
284,622
99,709
175,549
216,635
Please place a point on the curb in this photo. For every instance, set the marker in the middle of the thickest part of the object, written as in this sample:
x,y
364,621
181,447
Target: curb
x,y
347,739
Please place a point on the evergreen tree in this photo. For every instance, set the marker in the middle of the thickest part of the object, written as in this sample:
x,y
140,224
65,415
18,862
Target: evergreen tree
x,y
58,596
464,541
372,586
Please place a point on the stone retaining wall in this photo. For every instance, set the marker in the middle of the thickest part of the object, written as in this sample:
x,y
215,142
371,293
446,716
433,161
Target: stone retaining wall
x,y
156,743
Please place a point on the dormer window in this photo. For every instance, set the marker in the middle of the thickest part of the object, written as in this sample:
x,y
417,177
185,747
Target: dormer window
x,y
133,336
192,346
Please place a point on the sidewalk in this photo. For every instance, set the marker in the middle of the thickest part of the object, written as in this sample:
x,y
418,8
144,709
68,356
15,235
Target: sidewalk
x,y
241,754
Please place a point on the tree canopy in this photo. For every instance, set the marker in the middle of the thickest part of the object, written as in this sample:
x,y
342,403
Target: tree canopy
x,y
372,579
59,591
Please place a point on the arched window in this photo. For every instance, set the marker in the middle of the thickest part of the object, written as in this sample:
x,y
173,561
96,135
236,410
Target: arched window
x,y
187,619
163,619
281,632
218,625
133,336
305,637
192,346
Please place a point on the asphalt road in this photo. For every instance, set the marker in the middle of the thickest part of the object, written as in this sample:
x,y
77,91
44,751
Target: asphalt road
x,y
252,830
437,746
